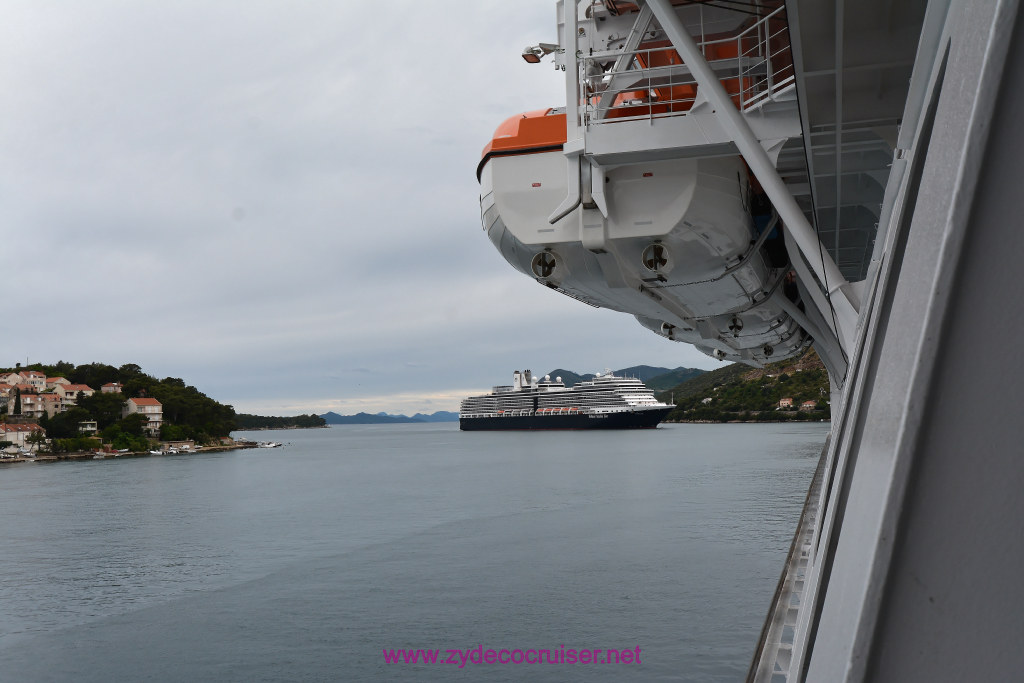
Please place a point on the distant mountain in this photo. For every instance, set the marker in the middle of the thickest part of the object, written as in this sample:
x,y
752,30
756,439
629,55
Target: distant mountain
x,y
654,377
245,421
673,378
569,377
333,418
644,372
439,416
364,419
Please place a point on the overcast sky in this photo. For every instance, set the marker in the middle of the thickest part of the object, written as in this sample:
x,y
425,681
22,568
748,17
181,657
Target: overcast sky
x,y
277,201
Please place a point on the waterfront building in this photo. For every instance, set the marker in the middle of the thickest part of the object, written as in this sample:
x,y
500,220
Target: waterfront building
x,y
151,408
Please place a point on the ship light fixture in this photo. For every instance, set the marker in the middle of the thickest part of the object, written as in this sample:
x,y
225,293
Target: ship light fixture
x,y
534,53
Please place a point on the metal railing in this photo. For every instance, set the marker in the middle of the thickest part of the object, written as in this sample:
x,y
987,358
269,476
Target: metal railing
x,y
753,65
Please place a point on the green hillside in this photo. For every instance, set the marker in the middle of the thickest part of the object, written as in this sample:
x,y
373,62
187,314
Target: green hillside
x,y
703,383
739,392
246,421
187,412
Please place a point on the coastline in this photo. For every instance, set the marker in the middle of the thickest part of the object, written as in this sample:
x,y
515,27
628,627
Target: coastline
x,y
272,429
56,457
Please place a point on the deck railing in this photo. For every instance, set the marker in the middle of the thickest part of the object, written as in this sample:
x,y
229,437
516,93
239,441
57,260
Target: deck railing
x,y
652,82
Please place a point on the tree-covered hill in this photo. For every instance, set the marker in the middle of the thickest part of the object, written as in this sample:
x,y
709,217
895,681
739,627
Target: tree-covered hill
x,y
705,382
246,421
187,412
739,392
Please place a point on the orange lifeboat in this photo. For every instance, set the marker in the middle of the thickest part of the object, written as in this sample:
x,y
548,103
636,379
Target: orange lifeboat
x,y
541,130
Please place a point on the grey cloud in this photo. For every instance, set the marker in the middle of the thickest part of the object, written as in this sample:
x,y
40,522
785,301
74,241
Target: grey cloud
x,y
277,201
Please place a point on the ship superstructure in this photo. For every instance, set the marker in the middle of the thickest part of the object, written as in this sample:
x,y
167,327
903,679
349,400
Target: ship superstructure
x,y
753,176
656,189
530,402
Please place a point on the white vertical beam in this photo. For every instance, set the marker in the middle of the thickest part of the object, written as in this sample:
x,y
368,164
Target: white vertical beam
x,y
573,147
572,70
763,168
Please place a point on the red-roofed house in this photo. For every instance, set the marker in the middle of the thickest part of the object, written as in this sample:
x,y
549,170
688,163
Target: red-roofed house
x,y
785,403
53,404
35,378
18,433
151,408
808,405
54,381
32,405
111,388
11,378
37,405
70,391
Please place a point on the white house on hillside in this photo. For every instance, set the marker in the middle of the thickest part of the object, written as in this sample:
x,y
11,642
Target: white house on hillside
x,y
151,408
35,378
69,392
32,406
17,434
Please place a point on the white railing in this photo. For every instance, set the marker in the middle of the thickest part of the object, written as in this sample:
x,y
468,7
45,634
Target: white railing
x,y
754,64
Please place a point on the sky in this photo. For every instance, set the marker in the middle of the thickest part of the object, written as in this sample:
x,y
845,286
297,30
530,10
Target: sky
x,y
277,201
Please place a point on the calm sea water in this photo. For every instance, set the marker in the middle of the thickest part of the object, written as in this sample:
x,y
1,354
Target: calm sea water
x,y
304,563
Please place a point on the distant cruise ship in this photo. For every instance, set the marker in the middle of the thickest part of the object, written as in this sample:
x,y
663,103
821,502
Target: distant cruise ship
x,y
605,402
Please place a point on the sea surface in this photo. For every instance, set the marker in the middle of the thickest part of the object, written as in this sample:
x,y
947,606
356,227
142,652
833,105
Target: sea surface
x,y
304,563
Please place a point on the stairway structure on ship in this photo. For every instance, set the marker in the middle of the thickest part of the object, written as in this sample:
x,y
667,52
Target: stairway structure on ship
x,y
756,176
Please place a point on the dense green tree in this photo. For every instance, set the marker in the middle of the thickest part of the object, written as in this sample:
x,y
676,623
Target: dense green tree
x,y
192,413
130,370
78,444
172,432
65,425
104,408
94,374
259,422
119,439
35,440
134,424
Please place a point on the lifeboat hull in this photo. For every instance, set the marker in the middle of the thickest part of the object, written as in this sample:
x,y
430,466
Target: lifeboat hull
x,y
676,248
